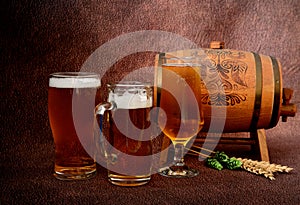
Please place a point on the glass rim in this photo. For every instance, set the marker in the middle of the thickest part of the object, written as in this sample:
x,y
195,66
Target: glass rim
x,y
174,57
72,74
180,61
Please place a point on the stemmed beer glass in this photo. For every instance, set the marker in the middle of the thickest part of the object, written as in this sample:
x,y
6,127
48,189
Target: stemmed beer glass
x,y
180,117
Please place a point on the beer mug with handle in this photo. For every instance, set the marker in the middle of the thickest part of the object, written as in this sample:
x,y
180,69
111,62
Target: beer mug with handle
x,y
125,124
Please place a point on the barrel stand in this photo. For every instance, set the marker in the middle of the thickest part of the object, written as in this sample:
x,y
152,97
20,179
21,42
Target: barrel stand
x,y
256,139
261,144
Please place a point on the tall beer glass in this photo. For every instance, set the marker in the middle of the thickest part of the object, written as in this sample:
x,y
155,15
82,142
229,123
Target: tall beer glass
x,y
125,123
71,101
180,100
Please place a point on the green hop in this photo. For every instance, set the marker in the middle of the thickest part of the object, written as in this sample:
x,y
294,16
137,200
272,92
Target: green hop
x,y
233,163
214,163
221,157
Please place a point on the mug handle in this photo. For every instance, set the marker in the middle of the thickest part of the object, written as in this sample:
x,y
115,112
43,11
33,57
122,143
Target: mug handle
x,y
100,109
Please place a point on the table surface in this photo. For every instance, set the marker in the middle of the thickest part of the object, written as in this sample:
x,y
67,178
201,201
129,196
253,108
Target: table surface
x,y
27,168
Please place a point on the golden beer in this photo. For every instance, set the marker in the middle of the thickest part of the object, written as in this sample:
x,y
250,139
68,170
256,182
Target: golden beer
x,y
180,116
180,112
71,100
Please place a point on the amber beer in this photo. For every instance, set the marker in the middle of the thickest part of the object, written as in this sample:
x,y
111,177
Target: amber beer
x,y
71,101
133,147
180,112
129,157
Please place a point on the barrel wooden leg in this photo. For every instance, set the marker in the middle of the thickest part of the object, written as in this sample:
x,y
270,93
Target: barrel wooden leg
x,y
261,145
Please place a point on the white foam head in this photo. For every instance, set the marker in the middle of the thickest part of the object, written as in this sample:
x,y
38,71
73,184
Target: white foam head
x,y
74,82
131,100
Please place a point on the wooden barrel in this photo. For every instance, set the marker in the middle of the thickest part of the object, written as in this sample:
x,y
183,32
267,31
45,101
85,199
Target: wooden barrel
x,y
247,85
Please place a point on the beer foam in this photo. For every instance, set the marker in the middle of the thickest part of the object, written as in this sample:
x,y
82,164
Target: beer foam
x,y
74,82
131,100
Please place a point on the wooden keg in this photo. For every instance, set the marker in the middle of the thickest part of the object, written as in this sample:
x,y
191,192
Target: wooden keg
x,y
247,85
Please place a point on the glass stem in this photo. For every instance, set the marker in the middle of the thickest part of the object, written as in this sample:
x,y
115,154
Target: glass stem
x,y
179,153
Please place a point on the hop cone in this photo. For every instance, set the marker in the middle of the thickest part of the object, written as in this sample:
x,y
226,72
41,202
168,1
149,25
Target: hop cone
x,y
214,163
221,157
233,163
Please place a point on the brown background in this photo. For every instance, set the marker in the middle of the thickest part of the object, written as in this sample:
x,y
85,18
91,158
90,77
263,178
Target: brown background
x,y
41,37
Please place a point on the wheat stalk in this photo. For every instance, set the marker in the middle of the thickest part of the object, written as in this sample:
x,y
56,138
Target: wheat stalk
x,y
263,168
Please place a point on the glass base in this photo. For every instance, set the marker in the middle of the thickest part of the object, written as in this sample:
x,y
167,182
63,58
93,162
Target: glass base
x,y
128,181
75,173
178,172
